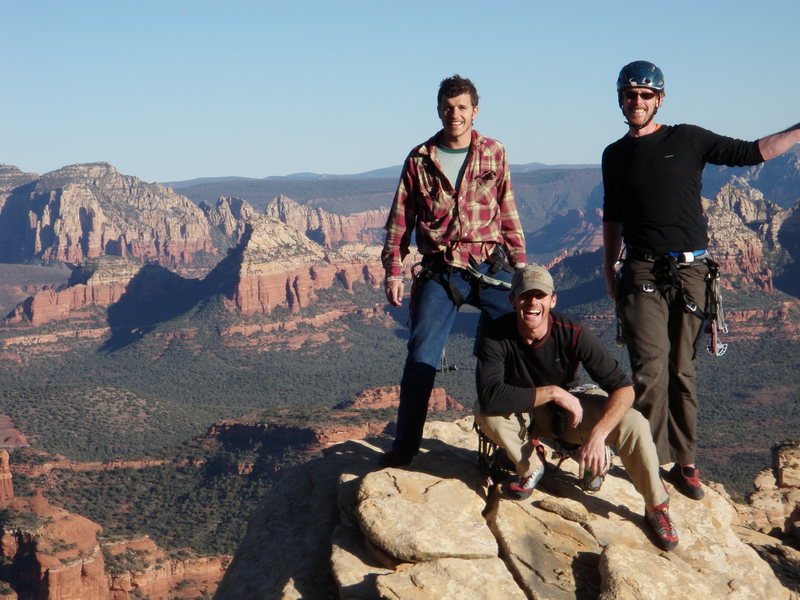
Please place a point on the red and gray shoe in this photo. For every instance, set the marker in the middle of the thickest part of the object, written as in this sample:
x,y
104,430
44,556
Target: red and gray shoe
x,y
660,522
686,480
522,487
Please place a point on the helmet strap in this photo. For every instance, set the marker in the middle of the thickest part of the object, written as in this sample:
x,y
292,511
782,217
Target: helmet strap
x,y
643,125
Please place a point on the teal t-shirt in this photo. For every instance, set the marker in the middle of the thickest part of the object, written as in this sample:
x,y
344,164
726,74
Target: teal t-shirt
x,y
453,162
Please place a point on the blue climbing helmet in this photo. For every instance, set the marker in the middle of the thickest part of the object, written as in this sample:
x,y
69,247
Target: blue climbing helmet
x,y
641,73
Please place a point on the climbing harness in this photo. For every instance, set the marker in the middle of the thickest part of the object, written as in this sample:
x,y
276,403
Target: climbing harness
x,y
495,464
434,268
667,266
492,460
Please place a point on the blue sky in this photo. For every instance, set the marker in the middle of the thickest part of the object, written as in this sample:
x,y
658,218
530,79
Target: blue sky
x,y
173,90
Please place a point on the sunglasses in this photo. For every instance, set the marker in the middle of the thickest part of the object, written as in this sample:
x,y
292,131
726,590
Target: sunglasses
x,y
633,94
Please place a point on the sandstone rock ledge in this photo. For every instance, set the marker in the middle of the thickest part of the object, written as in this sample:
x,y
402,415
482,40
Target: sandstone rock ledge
x,y
337,527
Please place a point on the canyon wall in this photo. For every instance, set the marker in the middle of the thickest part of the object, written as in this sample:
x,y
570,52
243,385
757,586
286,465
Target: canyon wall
x,y
89,210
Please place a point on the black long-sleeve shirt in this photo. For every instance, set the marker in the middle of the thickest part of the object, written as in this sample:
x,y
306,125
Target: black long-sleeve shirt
x,y
652,184
509,370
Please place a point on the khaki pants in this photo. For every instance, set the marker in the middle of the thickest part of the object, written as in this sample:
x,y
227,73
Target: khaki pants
x,y
631,438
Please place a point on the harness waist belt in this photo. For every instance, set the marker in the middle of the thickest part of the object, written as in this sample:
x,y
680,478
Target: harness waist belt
x,y
685,257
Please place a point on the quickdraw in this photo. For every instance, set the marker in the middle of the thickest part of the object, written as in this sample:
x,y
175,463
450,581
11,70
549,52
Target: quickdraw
x,y
716,315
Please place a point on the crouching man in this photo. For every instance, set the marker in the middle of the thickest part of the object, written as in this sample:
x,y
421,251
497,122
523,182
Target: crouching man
x,y
527,360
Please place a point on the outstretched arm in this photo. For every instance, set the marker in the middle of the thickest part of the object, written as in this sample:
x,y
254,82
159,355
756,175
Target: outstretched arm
x,y
592,453
778,143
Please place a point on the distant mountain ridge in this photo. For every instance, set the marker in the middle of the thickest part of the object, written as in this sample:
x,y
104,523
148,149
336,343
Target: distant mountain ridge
x,y
83,212
392,172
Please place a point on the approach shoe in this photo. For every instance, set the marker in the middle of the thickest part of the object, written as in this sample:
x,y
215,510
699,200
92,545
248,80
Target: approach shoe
x,y
522,487
395,458
686,480
658,517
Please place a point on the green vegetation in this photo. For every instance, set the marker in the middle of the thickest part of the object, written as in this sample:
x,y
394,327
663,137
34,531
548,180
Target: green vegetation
x,y
203,505
123,562
14,520
151,393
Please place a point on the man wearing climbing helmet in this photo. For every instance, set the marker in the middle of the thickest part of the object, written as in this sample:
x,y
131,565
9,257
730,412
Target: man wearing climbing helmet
x,y
653,220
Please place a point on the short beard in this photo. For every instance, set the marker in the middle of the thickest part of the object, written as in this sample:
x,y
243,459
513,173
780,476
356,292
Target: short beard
x,y
643,125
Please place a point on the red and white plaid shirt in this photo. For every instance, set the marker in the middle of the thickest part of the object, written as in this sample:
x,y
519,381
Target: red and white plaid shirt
x,y
463,224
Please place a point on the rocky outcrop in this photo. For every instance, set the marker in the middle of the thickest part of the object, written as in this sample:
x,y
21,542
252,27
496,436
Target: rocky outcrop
x,y
389,396
50,554
282,267
572,232
774,508
86,211
326,228
273,266
354,421
10,179
60,463
778,179
230,216
97,282
138,568
434,530
6,484
743,234
754,323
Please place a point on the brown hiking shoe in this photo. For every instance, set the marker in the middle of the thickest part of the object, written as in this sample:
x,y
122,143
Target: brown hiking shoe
x,y
395,458
686,480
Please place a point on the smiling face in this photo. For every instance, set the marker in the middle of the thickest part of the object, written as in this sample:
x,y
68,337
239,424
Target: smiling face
x,y
639,105
457,114
533,313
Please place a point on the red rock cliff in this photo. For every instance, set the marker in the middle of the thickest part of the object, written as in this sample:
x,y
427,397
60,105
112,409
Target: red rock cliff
x,y
51,554
326,228
281,267
90,210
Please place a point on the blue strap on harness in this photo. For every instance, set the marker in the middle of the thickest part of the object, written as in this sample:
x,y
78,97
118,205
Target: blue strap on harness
x,y
686,257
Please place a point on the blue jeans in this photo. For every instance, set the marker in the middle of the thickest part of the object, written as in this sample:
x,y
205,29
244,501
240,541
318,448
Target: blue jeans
x,y
433,311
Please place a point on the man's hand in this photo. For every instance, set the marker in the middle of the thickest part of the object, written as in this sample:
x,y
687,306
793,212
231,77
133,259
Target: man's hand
x,y
394,291
592,456
569,403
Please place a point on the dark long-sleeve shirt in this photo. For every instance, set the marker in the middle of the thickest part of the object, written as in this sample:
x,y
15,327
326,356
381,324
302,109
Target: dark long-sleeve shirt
x,y
509,370
652,184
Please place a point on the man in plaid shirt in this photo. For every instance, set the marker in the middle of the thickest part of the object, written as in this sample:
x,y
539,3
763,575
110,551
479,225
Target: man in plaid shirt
x,y
455,193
